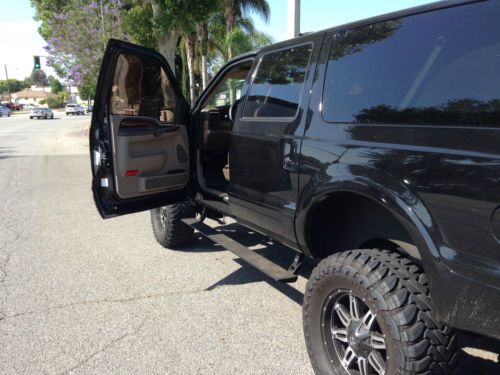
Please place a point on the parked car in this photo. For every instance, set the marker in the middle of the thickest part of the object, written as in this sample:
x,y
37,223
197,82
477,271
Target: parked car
x,y
372,147
89,108
4,111
14,106
41,112
74,109
30,106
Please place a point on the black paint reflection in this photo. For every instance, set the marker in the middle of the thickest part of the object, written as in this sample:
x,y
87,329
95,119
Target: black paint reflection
x,y
464,111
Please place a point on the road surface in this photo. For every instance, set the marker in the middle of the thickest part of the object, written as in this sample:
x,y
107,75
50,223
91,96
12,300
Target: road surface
x,y
80,295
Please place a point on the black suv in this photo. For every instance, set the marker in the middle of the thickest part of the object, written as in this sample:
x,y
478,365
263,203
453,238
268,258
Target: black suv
x,y
374,146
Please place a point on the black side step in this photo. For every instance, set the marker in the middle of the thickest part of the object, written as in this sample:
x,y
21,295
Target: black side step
x,y
251,257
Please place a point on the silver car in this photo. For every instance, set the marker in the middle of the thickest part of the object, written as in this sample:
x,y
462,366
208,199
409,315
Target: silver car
x,y
4,111
40,112
74,109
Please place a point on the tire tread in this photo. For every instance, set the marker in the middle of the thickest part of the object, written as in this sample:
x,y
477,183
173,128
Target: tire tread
x,y
427,345
175,233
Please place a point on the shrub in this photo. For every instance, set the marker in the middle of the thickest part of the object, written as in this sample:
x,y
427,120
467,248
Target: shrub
x,y
54,102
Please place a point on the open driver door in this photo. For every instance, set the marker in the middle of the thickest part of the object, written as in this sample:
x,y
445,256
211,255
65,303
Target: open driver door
x,y
139,135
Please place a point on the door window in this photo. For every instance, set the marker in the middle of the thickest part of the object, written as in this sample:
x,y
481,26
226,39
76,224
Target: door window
x,y
278,84
141,88
441,67
229,89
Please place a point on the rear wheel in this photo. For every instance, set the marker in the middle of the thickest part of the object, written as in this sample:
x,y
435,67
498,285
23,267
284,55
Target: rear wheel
x,y
169,230
369,312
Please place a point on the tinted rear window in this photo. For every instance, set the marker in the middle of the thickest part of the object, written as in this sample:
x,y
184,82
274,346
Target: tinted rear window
x,y
277,87
441,67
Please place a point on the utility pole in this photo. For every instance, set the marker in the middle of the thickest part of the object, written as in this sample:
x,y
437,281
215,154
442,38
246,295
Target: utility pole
x,y
293,18
8,86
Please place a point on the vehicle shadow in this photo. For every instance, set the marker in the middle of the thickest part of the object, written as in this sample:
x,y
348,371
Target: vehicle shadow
x,y
6,152
472,358
274,251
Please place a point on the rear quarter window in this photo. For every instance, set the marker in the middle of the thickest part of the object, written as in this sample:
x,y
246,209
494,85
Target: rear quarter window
x,y
441,67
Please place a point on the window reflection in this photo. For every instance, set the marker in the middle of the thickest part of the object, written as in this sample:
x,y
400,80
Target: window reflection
x,y
277,87
435,68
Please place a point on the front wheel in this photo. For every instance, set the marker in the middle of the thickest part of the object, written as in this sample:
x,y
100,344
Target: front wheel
x,y
369,312
169,230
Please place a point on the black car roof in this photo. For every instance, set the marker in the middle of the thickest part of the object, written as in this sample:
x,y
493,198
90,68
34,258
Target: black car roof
x,y
383,17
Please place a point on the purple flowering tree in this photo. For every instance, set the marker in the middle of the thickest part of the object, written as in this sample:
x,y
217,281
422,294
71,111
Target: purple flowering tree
x,y
76,35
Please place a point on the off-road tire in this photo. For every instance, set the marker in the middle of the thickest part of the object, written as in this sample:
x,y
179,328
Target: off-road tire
x,y
172,232
396,290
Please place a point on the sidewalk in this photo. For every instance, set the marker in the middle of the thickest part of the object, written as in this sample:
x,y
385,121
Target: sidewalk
x,y
85,129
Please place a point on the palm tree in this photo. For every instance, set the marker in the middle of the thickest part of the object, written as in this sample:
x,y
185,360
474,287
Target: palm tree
x,y
190,44
203,39
234,9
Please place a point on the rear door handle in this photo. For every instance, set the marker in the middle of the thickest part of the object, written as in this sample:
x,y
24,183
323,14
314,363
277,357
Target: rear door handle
x,y
290,163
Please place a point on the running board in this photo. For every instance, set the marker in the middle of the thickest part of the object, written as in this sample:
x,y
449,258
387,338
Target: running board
x,y
251,257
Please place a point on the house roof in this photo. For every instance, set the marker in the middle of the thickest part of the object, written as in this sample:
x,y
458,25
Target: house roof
x,y
28,93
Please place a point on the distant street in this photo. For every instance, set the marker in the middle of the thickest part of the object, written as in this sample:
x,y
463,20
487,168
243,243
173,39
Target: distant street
x,y
20,136
80,295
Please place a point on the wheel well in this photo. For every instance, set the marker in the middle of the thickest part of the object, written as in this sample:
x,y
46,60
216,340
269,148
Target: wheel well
x,y
346,221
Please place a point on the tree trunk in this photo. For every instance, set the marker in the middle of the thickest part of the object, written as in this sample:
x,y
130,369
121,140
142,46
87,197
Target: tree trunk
x,y
190,44
203,36
167,44
230,16
204,72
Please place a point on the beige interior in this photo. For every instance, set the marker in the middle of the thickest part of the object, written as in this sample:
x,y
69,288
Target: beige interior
x,y
161,160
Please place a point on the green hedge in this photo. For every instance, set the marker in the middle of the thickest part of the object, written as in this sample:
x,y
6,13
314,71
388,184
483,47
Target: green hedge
x,y
54,102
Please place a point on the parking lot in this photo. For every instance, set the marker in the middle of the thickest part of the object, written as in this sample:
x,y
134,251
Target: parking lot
x,y
83,295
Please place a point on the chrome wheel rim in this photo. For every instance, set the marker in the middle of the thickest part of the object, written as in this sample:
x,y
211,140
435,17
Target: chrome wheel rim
x,y
163,217
352,336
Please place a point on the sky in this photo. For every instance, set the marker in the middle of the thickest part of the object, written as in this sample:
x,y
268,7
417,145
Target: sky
x,y
21,41
317,15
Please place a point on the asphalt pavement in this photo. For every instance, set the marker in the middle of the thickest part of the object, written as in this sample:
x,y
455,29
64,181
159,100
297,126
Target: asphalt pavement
x,y
80,295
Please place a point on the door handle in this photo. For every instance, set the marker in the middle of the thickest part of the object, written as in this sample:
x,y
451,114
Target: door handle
x,y
290,163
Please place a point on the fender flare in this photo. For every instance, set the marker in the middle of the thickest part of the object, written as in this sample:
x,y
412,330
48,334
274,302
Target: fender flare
x,y
395,197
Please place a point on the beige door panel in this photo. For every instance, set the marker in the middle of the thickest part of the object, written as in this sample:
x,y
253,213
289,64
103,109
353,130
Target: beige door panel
x,y
147,162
